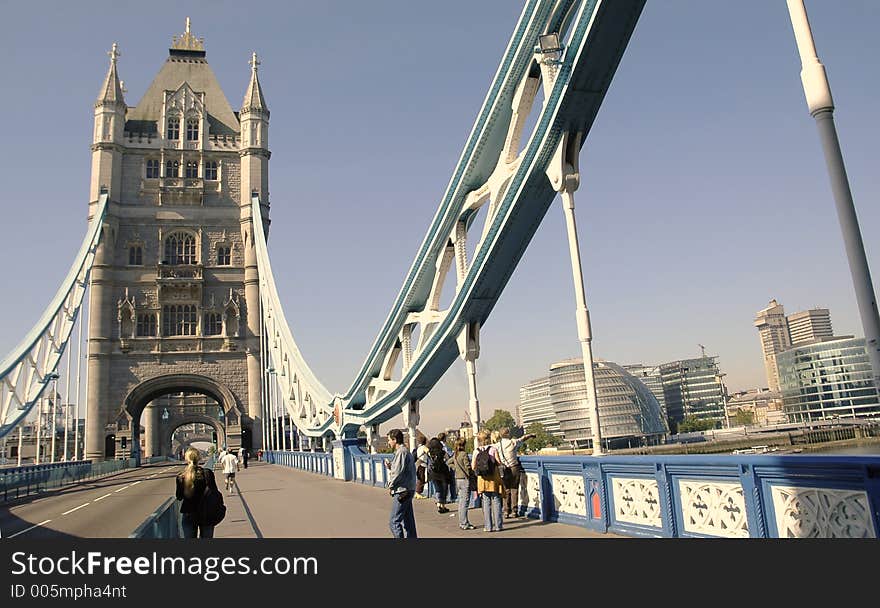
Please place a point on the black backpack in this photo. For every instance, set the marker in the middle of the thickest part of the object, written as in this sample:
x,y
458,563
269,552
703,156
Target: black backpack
x,y
485,466
211,509
437,463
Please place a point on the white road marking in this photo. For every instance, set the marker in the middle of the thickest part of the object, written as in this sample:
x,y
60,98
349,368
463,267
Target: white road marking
x,y
103,497
77,508
136,483
119,490
31,528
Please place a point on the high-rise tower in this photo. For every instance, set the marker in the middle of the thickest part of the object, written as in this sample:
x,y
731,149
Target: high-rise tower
x,y
809,325
773,330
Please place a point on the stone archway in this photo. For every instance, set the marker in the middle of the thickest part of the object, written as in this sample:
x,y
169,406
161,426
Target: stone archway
x,y
140,396
168,429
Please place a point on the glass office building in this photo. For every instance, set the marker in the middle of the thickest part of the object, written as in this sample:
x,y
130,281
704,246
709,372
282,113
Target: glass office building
x,y
629,414
827,378
692,387
535,406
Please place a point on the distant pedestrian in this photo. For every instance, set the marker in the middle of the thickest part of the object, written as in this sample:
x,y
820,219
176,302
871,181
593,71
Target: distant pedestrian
x,y
244,456
422,460
260,454
511,474
465,480
230,465
191,484
486,464
401,485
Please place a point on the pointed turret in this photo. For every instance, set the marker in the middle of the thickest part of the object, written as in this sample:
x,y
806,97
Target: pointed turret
x,y
253,98
110,112
111,92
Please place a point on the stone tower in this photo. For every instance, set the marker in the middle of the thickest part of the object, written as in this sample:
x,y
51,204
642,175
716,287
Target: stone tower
x,y
174,308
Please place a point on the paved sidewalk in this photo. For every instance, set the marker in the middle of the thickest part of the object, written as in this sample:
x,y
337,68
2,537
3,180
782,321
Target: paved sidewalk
x,y
273,501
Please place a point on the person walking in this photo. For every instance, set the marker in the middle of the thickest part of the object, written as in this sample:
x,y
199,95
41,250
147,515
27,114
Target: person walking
x,y
512,472
191,484
230,465
438,472
422,460
465,482
244,457
486,464
402,486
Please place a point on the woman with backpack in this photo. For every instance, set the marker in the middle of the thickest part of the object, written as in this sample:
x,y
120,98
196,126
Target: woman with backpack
x,y
486,464
191,485
465,480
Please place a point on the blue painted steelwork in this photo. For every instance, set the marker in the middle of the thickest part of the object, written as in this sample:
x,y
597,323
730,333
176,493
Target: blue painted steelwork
x,y
313,462
28,369
598,32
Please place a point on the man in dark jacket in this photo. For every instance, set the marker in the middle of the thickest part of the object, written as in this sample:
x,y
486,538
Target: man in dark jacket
x,y
438,473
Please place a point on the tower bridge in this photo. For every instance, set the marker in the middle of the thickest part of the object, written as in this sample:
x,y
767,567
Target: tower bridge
x,y
181,289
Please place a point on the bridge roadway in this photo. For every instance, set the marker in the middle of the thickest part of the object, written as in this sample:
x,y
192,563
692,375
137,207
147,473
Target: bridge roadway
x,y
273,501
269,501
109,507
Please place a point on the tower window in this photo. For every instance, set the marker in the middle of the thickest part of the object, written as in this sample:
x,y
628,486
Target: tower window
x,y
211,170
179,320
213,324
192,170
224,255
180,248
152,168
192,130
172,168
135,255
146,324
173,128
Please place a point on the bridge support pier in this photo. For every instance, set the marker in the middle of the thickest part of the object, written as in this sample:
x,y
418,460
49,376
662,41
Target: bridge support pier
x,y
372,437
411,420
565,177
150,418
469,348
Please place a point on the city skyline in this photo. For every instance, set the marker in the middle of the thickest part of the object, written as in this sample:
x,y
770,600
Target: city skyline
x,y
731,206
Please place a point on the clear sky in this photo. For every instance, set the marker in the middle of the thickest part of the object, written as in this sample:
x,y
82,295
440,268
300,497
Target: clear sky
x,y
704,192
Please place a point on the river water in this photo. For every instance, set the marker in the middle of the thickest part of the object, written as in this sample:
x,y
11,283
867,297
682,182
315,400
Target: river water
x,y
855,450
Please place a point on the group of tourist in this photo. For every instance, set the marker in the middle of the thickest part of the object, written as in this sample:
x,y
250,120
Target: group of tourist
x,y
493,473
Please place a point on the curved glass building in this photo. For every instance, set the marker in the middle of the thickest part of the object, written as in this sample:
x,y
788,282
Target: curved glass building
x,y
827,378
629,414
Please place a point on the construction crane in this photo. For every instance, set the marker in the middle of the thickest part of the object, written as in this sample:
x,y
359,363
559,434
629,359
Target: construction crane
x,y
702,348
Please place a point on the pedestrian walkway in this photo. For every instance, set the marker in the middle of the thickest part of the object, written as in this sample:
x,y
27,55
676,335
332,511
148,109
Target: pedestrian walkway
x,y
272,501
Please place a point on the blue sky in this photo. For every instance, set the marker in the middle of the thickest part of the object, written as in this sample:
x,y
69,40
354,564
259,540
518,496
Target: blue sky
x,y
703,193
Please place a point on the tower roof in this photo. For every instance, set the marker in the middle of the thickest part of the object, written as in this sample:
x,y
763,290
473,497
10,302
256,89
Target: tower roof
x,y
253,98
187,63
111,90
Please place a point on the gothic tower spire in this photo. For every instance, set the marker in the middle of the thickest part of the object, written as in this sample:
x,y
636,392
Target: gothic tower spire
x,y
111,91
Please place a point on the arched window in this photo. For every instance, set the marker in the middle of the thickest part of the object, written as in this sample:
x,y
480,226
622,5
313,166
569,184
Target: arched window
x,y
152,168
173,128
179,320
172,168
146,324
192,129
135,255
192,170
180,248
211,170
213,324
224,255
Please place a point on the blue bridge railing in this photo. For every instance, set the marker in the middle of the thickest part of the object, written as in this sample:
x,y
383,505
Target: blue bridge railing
x,y
730,496
314,462
21,481
164,522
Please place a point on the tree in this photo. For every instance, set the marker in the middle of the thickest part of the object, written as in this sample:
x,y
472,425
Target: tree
x,y
744,417
692,423
501,419
542,438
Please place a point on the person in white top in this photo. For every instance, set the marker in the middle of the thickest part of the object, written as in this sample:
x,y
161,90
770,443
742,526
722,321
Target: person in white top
x,y
512,471
230,465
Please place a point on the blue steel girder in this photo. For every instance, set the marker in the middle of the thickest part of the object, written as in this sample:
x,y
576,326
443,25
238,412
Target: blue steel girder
x,y
597,35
